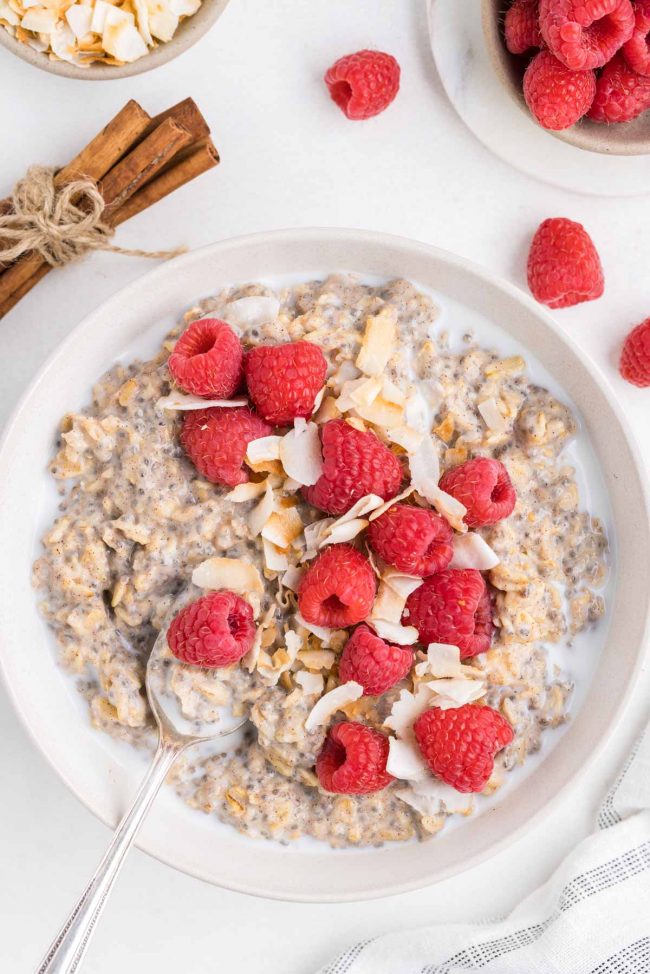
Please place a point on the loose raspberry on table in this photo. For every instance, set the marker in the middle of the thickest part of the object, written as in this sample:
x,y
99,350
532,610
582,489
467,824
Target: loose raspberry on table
x,y
374,663
637,50
355,463
484,487
621,93
338,589
216,630
452,607
284,380
563,265
635,356
459,744
413,539
207,359
363,84
216,439
353,760
585,34
521,26
557,96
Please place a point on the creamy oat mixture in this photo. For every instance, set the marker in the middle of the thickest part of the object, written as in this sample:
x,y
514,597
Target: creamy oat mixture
x,y
136,520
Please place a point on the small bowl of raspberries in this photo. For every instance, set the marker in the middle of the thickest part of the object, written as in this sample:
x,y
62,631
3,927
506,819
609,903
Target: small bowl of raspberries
x,y
579,68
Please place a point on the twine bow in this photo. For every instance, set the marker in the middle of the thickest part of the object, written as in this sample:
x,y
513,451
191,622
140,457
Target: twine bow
x,y
60,224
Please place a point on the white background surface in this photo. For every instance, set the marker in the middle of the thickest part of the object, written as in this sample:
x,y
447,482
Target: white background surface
x,y
289,159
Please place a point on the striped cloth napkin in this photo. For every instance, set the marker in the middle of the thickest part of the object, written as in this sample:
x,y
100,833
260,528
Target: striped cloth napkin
x,y
591,917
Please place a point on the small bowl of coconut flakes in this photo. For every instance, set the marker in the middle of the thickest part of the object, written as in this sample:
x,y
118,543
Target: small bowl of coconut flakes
x,y
98,40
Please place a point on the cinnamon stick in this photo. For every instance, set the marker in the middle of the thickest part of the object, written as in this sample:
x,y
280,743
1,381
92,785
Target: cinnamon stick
x,y
190,163
120,183
25,288
187,114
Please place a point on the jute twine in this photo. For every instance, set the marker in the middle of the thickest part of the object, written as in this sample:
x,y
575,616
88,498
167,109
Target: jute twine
x,y
60,224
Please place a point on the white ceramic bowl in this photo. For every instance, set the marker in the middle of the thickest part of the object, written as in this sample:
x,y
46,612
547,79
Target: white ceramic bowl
x,y
104,774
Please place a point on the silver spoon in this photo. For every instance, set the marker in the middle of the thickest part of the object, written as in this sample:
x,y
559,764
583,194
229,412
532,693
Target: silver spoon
x,y
175,734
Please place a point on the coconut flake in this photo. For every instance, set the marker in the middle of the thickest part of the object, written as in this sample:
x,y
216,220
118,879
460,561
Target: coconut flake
x,y
406,437
283,527
327,410
388,605
451,509
317,659
246,492
293,577
321,632
494,421
472,551
40,20
142,20
429,796
301,454
388,504
229,573
252,311
358,392
394,633
424,465
274,558
417,412
261,513
312,684
262,449
162,22
79,18
180,401
405,759
251,657
330,702
347,531
318,401
378,342
401,583
443,660
406,710
449,694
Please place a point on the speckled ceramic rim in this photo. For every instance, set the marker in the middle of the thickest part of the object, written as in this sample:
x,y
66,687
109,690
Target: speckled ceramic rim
x,y
189,32
626,139
104,774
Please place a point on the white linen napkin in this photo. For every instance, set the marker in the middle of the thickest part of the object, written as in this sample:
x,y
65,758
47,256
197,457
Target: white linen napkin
x,y
591,917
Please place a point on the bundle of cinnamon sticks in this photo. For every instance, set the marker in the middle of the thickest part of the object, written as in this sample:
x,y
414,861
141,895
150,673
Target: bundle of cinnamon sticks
x,y
135,161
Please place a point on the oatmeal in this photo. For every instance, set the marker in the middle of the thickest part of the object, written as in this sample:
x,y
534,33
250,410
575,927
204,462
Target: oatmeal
x,y
138,524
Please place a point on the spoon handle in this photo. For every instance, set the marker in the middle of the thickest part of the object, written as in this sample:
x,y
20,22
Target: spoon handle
x,y
69,946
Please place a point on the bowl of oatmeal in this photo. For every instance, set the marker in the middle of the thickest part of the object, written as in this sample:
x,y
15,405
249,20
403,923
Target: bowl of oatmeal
x,y
94,40
110,511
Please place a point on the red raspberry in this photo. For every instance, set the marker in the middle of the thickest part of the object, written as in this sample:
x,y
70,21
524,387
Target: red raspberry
x,y
207,359
585,34
563,265
484,487
216,630
374,663
459,744
353,760
363,84
557,97
283,380
452,607
215,440
637,49
354,464
621,93
338,588
521,26
635,357
413,539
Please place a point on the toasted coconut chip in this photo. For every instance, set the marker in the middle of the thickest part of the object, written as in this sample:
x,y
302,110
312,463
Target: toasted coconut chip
x,y
330,702
262,449
283,527
346,371
319,399
312,684
406,710
271,668
301,454
401,583
291,486
232,574
339,533
417,412
449,694
317,659
430,797
443,660
246,492
388,504
489,410
251,311
251,657
451,509
392,392
471,551
365,504
424,465
358,393
274,558
406,437
378,342
321,632
405,759
314,534
181,401
293,577
388,605
262,512
394,633
326,411
381,413
79,18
